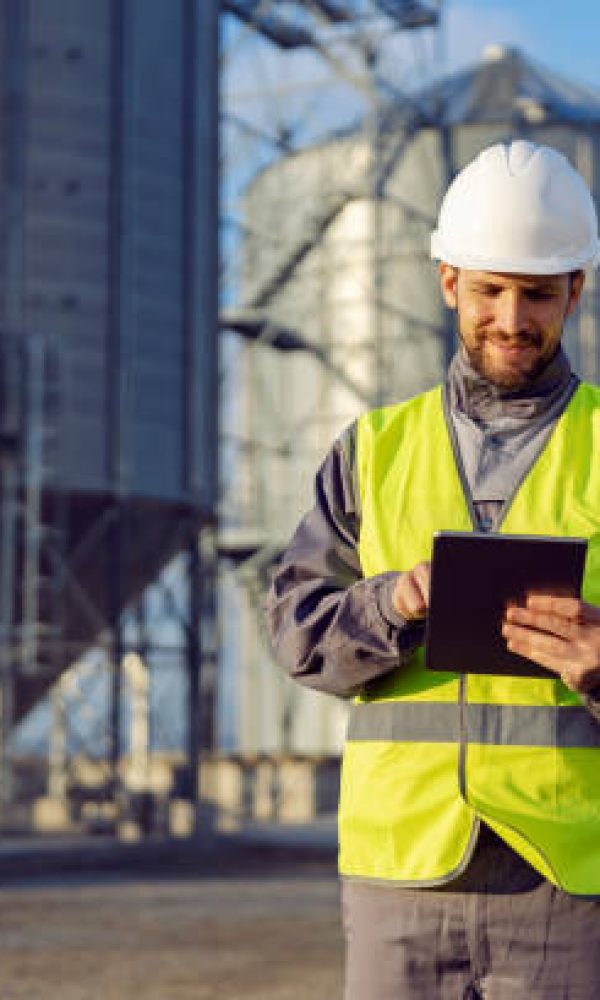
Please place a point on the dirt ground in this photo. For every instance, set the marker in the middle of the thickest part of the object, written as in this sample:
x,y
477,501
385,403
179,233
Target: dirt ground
x,y
259,932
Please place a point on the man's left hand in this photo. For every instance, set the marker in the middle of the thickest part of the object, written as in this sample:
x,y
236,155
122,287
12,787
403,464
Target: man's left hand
x,y
561,634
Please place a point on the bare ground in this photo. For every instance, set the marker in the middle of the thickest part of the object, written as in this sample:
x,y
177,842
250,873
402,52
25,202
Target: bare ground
x,y
257,932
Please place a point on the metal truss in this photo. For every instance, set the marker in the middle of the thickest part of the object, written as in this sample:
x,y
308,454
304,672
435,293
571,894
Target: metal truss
x,y
280,61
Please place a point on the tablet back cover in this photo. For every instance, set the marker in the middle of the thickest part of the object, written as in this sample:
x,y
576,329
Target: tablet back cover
x,y
473,578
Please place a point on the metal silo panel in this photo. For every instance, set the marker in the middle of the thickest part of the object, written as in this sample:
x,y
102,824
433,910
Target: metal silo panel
x,y
119,235
202,197
152,345
66,223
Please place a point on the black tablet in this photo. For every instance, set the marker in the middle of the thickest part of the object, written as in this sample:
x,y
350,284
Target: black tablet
x,y
473,578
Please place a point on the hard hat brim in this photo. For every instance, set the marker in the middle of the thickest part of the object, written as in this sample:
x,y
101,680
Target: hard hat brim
x,y
563,264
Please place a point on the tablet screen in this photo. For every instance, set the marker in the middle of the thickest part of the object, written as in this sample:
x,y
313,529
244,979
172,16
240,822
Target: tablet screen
x,y
473,578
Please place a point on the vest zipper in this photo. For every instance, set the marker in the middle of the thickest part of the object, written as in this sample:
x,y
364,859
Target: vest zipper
x,y
462,751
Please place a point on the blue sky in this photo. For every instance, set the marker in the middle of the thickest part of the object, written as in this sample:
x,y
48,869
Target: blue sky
x,y
563,36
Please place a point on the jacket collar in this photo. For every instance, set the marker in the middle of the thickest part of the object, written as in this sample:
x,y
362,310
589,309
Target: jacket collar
x,y
472,394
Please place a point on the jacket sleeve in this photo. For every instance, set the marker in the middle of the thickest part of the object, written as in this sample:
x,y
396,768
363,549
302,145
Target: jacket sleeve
x,y
332,629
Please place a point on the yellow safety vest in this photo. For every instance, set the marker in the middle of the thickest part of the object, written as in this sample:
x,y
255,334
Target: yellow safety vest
x,y
428,754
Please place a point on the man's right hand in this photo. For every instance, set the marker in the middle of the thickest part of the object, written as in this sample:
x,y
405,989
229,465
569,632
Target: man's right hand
x,y
411,593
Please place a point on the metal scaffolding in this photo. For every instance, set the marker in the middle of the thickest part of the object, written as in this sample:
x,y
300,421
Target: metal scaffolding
x,y
133,632
323,65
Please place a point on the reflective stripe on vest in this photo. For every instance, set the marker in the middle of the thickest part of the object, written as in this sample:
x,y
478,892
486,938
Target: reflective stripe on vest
x,y
428,753
500,725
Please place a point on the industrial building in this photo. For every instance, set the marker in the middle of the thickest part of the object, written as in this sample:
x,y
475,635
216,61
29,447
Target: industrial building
x,y
108,347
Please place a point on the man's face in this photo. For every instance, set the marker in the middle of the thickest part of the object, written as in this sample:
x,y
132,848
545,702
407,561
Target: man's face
x,y
510,325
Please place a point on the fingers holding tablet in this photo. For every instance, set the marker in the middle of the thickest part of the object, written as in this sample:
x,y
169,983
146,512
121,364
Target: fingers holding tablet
x,y
559,633
411,593
494,605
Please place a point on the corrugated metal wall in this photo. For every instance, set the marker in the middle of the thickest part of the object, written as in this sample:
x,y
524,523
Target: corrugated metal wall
x,y
67,143
114,216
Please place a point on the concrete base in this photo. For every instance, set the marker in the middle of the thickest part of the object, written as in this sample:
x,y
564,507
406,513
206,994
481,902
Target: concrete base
x,y
182,818
51,815
129,831
268,789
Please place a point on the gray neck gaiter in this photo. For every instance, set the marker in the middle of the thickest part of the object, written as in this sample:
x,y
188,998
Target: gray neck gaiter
x,y
472,394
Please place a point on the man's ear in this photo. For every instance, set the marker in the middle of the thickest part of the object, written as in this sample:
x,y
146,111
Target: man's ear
x,y
449,282
576,283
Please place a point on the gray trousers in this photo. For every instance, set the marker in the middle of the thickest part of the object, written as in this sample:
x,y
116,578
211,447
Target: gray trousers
x,y
502,933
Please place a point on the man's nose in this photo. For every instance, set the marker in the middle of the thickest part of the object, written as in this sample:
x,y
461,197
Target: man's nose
x,y
512,314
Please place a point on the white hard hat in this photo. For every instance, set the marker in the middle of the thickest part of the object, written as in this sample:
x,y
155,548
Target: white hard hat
x,y
520,209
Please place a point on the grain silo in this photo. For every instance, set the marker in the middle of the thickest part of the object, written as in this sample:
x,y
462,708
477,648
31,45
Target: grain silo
x,y
341,297
108,324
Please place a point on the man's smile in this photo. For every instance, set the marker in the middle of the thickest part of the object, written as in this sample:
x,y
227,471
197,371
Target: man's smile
x,y
511,348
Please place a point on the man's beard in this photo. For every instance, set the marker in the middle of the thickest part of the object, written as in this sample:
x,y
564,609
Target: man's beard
x,y
508,379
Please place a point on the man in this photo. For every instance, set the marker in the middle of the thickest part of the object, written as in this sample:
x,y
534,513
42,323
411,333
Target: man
x,y
470,858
